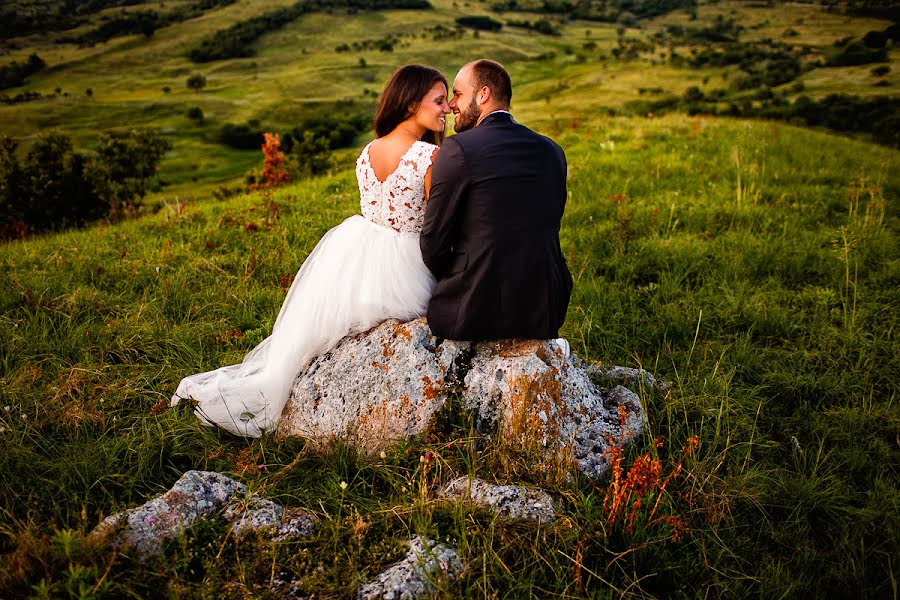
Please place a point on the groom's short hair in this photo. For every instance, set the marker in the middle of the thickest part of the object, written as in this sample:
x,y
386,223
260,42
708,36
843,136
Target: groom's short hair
x,y
490,73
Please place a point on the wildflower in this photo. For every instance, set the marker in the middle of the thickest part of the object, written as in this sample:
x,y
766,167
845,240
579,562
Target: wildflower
x,y
383,455
260,467
428,457
343,485
7,408
150,520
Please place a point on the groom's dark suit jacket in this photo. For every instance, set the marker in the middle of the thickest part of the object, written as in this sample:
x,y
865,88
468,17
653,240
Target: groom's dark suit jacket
x,y
491,234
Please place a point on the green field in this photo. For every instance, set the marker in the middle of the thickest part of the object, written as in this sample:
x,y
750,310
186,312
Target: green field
x,y
753,264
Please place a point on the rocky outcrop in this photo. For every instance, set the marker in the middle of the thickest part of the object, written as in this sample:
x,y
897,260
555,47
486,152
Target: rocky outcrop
x,y
391,382
198,495
422,571
374,388
515,502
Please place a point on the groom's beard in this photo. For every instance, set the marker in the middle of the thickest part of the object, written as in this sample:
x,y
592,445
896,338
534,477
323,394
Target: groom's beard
x,y
467,119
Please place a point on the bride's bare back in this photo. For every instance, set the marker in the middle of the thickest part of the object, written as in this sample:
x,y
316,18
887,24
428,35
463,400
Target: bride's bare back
x,y
386,153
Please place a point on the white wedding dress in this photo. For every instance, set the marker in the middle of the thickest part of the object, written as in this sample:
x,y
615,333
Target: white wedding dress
x,y
363,271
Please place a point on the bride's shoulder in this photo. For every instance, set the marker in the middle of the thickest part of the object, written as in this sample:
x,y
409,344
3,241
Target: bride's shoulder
x,y
364,153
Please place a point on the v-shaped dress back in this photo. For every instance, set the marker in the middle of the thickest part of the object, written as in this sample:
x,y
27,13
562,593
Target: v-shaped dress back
x,y
362,272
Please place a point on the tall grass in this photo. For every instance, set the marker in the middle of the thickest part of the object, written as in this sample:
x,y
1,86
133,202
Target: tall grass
x,y
771,305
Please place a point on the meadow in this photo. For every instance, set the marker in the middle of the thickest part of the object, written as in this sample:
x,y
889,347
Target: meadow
x,y
755,265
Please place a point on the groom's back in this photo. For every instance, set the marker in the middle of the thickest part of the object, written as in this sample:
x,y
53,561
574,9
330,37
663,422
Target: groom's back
x,y
505,276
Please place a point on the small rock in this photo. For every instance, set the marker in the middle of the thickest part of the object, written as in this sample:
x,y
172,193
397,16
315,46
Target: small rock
x,y
254,515
508,501
295,523
629,376
195,496
426,563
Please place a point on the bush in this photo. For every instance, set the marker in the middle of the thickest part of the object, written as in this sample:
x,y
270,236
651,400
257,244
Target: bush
x,y
881,71
196,81
56,186
311,155
480,23
195,113
693,94
240,136
14,74
857,54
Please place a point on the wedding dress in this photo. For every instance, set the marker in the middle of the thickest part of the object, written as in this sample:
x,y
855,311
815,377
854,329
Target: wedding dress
x,y
363,271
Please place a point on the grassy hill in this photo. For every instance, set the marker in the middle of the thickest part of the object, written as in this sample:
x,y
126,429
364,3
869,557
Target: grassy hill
x,y
753,264
771,304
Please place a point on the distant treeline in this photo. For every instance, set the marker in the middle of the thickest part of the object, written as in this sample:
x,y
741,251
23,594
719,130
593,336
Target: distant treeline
x,y
144,22
14,74
480,23
56,186
542,26
337,129
597,10
878,116
42,17
879,9
237,41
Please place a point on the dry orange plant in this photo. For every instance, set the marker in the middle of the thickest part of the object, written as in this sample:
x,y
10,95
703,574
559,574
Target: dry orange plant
x,y
631,489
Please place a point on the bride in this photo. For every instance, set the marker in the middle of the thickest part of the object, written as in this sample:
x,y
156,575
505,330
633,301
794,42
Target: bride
x,y
363,271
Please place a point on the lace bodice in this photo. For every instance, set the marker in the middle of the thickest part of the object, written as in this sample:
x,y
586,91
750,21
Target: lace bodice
x,y
399,202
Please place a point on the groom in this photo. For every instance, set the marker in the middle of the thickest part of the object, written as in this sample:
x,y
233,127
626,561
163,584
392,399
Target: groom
x,y
491,231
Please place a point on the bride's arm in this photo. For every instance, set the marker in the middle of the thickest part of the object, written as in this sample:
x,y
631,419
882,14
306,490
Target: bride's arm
x,y
428,174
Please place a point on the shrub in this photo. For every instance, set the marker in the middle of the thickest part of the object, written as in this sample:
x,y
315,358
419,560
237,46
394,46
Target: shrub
x,y
195,113
14,74
881,71
857,54
196,82
480,23
240,136
56,186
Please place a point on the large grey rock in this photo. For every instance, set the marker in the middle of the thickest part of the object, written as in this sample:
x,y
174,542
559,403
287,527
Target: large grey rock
x,y
509,501
541,403
373,388
425,567
389,383
198,495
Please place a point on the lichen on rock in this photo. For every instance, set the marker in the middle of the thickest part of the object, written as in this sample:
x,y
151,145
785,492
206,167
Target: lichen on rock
x,y
392,382
426,565
514,502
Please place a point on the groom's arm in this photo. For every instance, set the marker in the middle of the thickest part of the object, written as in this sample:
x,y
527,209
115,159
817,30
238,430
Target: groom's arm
x,y
442,211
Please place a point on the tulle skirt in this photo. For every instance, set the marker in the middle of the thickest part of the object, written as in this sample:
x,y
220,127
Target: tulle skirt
x,y
358,275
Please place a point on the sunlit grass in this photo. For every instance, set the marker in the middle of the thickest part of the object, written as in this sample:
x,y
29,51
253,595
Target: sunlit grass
x,y
771,307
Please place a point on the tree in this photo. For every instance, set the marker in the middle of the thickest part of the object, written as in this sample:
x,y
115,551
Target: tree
x,y
125,164
195,113
311,155
196,81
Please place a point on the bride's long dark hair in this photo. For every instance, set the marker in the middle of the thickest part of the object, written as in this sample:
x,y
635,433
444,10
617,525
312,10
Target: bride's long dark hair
x,y
402,95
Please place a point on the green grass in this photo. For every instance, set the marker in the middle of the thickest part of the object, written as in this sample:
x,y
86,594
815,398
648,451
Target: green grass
x,y
754,265
771,306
